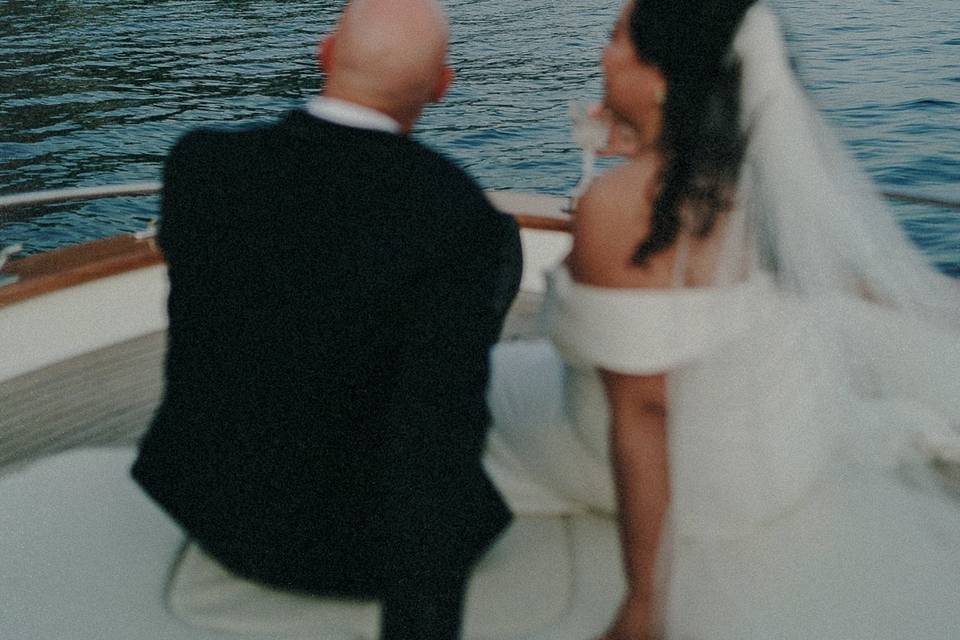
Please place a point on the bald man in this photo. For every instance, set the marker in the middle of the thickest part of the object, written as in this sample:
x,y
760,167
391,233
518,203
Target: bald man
x,y
335,288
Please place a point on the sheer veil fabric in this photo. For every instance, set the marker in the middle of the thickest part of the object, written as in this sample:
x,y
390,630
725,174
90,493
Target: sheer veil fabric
x,y
797,526
811,217
824,228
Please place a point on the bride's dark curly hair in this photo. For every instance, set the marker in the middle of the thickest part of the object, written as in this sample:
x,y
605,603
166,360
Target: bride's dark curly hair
x,y
689,41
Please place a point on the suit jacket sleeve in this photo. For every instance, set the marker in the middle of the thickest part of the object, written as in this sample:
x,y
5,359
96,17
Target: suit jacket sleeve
x,y
181,235
437,415
197,245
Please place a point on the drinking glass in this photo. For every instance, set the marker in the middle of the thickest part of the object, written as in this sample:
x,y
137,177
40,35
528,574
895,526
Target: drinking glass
x,y
590,133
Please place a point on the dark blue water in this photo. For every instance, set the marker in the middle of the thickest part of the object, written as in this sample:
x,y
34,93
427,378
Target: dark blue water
x,y
96,91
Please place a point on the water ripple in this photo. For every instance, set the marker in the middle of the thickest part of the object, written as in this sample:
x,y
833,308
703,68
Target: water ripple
x,y
97,91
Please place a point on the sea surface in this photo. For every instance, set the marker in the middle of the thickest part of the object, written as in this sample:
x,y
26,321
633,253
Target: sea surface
x,y
96,91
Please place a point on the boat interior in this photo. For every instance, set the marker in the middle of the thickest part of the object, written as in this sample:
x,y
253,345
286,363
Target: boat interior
x,y
84,554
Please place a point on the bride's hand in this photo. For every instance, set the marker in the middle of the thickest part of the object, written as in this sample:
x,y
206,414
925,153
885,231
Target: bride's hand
x,y
622,139
634,621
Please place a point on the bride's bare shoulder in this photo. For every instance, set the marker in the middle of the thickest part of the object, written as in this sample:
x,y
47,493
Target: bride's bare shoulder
x,y
612,220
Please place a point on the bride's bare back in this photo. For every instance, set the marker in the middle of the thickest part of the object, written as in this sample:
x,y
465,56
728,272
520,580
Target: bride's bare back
x,y
611,221
614,218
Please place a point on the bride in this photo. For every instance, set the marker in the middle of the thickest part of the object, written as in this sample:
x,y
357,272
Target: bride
x,y
757,368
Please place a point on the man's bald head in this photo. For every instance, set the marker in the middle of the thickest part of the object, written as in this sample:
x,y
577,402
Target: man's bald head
x,y
389,55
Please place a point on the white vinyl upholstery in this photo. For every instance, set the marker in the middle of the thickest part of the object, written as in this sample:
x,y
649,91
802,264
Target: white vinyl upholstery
x,y
85,555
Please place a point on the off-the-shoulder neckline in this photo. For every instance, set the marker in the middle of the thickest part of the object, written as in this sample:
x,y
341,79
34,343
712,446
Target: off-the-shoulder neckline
x,y
561,276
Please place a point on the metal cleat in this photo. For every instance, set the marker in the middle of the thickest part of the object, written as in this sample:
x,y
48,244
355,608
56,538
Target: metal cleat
x,y
5,254
149,232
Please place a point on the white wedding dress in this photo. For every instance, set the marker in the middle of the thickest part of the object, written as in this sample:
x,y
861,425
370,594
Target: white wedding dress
x,y
800,508
813,397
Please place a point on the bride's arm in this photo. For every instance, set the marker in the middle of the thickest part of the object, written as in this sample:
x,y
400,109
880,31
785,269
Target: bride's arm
x,y
612,220
638,450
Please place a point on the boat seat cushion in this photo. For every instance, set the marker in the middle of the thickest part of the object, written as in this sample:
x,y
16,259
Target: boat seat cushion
x,y
85,555
523,584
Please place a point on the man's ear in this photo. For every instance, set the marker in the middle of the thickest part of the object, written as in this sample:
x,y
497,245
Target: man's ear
x,y
443,83
325,52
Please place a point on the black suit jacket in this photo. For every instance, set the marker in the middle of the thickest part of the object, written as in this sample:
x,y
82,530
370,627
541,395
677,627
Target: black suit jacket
x,y
334,296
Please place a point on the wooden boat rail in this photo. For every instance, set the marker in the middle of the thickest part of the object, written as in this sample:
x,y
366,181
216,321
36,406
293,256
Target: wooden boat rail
x,y
43,273
61,268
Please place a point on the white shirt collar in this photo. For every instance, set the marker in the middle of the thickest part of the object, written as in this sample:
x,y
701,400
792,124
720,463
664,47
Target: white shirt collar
x,y
350,114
